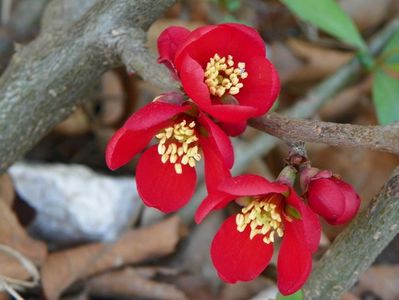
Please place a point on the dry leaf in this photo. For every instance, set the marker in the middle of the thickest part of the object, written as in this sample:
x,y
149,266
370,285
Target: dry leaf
x,y
319,62
382,280
64,267
14,235
7,193
129,283
76,124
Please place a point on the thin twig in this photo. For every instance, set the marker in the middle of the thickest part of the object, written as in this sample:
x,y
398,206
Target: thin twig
x,y
384,138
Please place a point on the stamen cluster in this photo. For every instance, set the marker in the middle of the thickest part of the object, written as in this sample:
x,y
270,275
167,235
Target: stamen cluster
x,y
178,145
221,76
263,217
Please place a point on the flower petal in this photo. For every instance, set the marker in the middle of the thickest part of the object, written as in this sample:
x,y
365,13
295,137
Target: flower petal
x,y
236,257
224,40
214,200
168,42
153,114
294,261
231,113
309,221
216,170
326,199
233,129
220,139
250,185
261,87
352,202
192,79
160,186
125,144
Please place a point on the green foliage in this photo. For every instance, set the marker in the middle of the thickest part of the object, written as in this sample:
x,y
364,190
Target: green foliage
x,y
330,17
296,296
385,86
386,97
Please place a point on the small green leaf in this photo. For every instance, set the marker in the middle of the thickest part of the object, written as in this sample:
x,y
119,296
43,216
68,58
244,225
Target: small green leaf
x,y
386,97
391,51
293,212
330,17
296,296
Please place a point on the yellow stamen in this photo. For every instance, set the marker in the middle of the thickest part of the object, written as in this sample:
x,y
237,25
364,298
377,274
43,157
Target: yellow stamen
x,y
263,217
222,77
178,145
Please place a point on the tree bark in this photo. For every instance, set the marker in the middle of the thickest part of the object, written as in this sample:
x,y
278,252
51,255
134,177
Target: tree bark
x,y
384,138
46,79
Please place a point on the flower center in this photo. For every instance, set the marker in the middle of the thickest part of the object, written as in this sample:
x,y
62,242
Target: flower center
x,y
179,145
222,76
264,218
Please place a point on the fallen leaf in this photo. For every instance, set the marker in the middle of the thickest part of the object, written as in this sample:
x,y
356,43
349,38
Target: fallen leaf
x,y
13,235
382,280
65,267
129,283
7,193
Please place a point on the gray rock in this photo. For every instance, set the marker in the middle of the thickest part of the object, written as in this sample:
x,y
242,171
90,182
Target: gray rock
x,y
75,204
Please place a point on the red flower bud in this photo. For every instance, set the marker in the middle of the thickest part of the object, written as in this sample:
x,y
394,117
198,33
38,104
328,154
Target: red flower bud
x,y
333,199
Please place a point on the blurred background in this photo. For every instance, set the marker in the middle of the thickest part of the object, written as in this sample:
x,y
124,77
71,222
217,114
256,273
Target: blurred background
x,y
85,227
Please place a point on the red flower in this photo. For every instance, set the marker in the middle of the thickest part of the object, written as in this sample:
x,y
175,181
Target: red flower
x,y
165,174
223,68
243,246
333,199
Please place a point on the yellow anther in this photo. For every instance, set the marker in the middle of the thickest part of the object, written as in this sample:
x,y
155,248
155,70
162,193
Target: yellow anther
x,y
178,168
178,145
222,77
263,218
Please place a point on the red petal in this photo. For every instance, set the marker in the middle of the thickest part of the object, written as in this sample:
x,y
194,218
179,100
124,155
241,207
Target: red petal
x,y
352,202
192,79
234,129
309,221
250,185
235,256
214,200
225,40
294,260
231,113
220,139
125,144
195,35
153,114
326,199
216,170
168,42
160,186
261,87
257,40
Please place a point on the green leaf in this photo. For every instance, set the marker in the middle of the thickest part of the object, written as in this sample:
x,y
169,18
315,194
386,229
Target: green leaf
x,y
296,296
293,212
391,52
386,97
330,17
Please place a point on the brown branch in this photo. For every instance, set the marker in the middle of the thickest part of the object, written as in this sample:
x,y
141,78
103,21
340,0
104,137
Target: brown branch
x,y
357,246
384,138
46,79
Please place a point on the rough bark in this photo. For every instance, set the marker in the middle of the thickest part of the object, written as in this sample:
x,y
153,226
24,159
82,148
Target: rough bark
x,y
385,138
357,246
47,78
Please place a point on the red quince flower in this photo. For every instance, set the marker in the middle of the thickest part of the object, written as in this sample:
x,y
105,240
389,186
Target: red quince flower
x,y
165,174
332,198
243,246
223,69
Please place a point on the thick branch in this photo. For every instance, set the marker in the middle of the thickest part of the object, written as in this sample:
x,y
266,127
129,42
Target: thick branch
x,y
385,138
357,246
47,78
